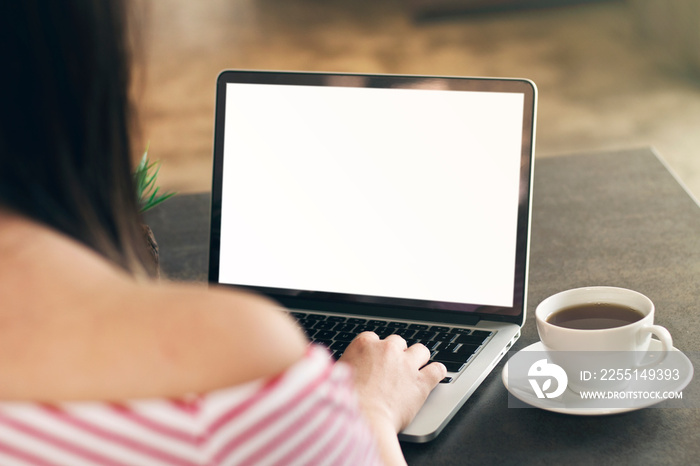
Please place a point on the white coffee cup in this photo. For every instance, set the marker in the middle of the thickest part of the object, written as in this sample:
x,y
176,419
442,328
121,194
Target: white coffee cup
x,y
622,348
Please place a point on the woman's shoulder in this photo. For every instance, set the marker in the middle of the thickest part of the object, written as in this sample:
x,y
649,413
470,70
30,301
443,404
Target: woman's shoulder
x,y
74,326
225,336
146,340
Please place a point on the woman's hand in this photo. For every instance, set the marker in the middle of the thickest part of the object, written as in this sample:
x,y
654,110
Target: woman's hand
x,y
390,379
392,385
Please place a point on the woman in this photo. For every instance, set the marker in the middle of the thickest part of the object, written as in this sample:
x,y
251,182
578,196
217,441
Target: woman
x,y
99,364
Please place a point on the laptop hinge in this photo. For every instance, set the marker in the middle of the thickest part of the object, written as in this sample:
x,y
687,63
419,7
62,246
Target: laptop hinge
x,y
364,309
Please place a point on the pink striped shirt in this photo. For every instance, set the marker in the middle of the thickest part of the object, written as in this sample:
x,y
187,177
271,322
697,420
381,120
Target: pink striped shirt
x,y
306,415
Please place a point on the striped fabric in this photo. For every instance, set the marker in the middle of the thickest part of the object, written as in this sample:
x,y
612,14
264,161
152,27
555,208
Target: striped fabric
x,y
307,415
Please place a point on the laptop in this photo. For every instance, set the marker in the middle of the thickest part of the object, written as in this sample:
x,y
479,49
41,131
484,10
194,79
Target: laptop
x,y
399,204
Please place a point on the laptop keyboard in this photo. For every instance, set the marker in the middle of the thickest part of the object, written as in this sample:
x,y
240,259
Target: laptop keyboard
x,y
453,346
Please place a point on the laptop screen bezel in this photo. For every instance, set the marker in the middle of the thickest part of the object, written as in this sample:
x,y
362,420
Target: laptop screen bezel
x,y
457,313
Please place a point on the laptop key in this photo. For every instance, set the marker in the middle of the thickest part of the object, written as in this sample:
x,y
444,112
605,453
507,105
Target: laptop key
x,y
471,339
345,336
460,348
431,344
365,328
466,349
315,317
424,335
397,324
449,346
442,336
377,323
339,345
448,356
463,331
324,335
343,327
419,326
324,325
439,328
336,318
356,320
405,332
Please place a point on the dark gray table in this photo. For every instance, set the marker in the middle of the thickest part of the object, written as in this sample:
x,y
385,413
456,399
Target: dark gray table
x,y
617,218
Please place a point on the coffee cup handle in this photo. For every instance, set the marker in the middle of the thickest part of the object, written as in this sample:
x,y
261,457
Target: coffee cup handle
x,y
666,341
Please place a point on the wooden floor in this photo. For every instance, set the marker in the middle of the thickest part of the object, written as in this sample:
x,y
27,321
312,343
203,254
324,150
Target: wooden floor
x,y
602,84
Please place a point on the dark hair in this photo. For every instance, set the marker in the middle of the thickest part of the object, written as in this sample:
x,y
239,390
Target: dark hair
x,y
65,134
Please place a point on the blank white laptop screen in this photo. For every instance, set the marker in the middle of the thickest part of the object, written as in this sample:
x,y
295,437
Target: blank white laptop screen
x,y
401,193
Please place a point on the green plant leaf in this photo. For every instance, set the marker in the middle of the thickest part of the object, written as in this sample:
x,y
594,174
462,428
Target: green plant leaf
x,y
145,177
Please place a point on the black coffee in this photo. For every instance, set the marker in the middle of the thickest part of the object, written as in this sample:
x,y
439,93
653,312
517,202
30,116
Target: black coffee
x,y
594,316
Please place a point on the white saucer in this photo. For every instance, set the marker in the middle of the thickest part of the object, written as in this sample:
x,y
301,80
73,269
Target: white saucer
x,y
572,403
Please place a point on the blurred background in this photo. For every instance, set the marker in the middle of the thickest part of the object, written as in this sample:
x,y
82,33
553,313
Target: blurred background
x,y
611,74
